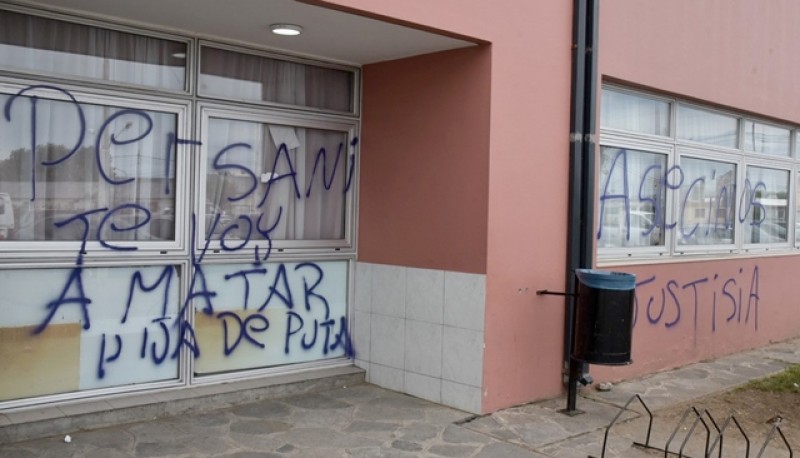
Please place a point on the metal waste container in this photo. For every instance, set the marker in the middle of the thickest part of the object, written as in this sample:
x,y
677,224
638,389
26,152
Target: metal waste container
x,y
603,317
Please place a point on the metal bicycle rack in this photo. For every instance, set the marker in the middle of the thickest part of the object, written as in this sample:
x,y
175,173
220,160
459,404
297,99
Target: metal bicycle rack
x,y
699,418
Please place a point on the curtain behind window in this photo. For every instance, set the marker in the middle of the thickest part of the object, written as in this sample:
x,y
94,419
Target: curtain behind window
x,y
32,43
248,77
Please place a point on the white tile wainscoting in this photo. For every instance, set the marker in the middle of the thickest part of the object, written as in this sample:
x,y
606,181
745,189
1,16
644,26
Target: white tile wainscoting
x,y
420,331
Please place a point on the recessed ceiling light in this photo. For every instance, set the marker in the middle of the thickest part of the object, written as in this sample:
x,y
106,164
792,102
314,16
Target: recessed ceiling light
x,y
286,29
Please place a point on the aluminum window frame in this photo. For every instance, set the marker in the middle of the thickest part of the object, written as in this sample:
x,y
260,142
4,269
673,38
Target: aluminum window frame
x,y
189,67
355,101
179,252
763,163
694,106
743,121
351,127
680,148
92,249
281,369
620,132
648,251
183,378
698,249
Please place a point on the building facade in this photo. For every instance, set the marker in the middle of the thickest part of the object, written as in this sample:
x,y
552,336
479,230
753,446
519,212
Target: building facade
x,y
187,200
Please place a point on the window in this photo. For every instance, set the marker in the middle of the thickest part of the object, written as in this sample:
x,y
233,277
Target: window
x,y
126,341
701,187
129,218
100,171
708,127
248,77
267,180
707,202
766,139
37,44
631,112
766,201
632,198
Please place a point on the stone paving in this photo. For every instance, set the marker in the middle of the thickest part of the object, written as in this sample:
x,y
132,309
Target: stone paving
x,y
366,421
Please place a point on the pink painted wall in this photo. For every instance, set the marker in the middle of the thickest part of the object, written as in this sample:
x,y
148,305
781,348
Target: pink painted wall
x,y
716,51
734,53
527,180
693,311
424,181
738,53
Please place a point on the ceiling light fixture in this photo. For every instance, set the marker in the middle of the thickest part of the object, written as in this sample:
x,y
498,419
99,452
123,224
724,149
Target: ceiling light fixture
x,y
288,30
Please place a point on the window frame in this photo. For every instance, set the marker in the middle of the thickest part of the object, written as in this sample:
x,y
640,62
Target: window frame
x,y
792,135
629,251
717,248
351,127
189,66
680,148
355,101
640,135
179,252
759,247
92,249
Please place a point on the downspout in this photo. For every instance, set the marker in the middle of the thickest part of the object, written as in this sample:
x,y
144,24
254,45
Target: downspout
x,y
580,224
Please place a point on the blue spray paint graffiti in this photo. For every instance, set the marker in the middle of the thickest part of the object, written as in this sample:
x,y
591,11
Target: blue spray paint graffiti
x,y
715,299
298,295
632,204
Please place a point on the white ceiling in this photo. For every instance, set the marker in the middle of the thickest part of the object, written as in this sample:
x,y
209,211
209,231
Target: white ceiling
x,y
329,34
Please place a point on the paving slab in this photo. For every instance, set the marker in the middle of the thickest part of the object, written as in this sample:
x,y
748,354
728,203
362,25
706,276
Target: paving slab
x,y
362,420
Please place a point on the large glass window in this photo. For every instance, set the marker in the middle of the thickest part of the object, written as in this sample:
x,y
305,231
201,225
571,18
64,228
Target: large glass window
x,y
111,197
709,127
632,198
290,179
277,321
54,343
38,44
728,187
67,168
766,139
625,111
764,205
249,77
707,202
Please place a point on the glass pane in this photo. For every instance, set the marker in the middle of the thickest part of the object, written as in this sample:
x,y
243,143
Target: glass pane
x,y
797,212
31,43
763,138
52,344
636,113
707,127
706,201
114,170
764,204
242,76
631,198
292,313
265,175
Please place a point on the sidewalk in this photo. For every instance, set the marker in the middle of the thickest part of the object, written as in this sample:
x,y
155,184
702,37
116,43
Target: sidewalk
x,y
366,421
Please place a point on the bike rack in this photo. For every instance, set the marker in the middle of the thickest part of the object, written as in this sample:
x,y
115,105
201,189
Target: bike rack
x,y
710,447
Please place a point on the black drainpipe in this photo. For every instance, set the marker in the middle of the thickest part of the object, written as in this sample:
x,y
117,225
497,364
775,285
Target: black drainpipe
x,y
580,226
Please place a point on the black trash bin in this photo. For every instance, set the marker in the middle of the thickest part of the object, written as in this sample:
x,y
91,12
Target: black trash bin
x,y
603,317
